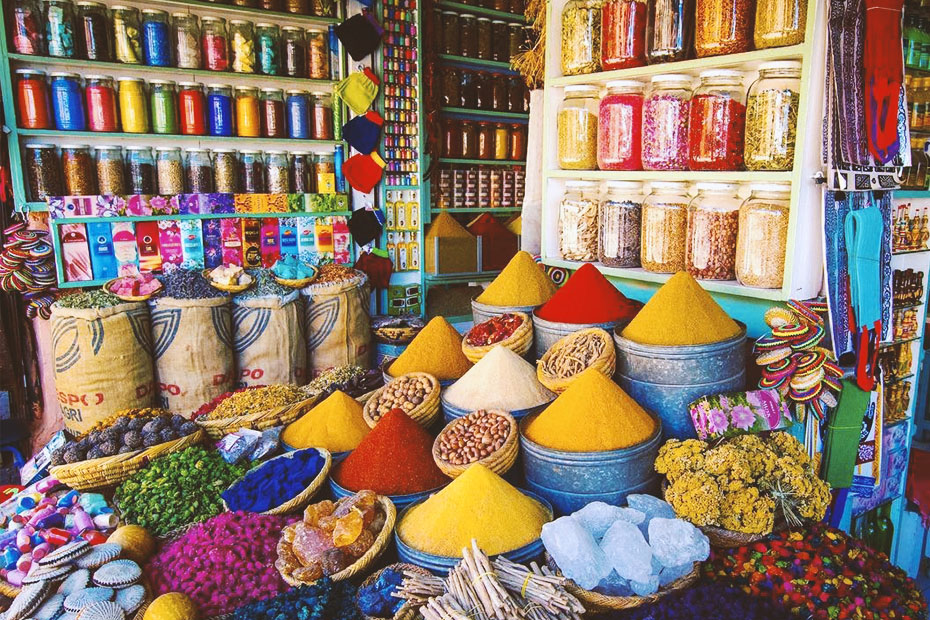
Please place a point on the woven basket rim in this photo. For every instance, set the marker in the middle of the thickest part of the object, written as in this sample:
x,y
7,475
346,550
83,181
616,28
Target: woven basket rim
x,y
520,342
424,413
605,362
226,288
221,426
301,499
506,453
370,579
526,326
107,286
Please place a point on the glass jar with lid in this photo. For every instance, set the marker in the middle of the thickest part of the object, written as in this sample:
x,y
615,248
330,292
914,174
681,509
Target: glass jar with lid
x,y
127,34
772,116
140,170
156,38
451,87
517,142
515,39
623,34
242,45
267,48
713,221
28,27
779,23
274,114
33,105
577,128
485,137
669,30
665,123
501,141
484,38
578,223
169,170
225,171
498,84
450,33
276,173
67,101
620,117
664,227
318,57
581,37
43,171
59,28
482,90
248,117
220,117
198,171
93,32
468,139
185,33
164,106
723,27
133,108
324,173
110,177
100,94
716,122
468,89
77,166
300,173
763,233
321,116
468,35
516,97
293,51
500,42
297,7
252,172
619,221
214,43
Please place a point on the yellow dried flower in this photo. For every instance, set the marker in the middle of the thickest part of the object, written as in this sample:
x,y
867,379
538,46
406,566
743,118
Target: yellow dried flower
x,y
695,496
676,457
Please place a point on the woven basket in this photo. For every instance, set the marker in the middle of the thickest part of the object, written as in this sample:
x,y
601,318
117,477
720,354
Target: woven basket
x,y
296,282
109,283
499,461
149,597
423,414
112,470
606,362
299,501
8,590
260,420
520,341
369,557
227,288
597,603
407,611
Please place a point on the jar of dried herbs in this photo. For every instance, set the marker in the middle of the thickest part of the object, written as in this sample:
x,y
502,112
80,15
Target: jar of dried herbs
x,y
581,37
225,170
169,170
669,30
772,116
664,225
252,171
713,219
199,171
723,27
578,227
78,167
110,178
577,128
619,224
140,170
779,23
763,233
43,171
276,173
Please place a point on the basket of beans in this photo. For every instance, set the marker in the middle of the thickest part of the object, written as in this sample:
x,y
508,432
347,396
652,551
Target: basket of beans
x,y
488,437
513,330
417,393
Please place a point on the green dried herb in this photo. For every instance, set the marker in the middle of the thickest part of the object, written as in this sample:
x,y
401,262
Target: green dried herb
x,y
97,298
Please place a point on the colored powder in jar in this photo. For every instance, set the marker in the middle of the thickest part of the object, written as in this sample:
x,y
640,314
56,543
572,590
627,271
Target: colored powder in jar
x,y
253,401
588,297
276,482
593,415
478,505
500,380
715,139
336,424
681,313
521,283
620,117
223,563
395,458
436,350
446,226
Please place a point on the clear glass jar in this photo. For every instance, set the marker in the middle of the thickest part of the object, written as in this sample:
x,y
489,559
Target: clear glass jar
x,y
321,116
198,171
110,178
95,42
623,34
28,27
485,46
501,141
324,173
77,166
619,222
772,116
214,43
274,115
220,116
169,170
665,123
185,30
33,105
156,38
100,95
140,170
500,41
268,48
248,116
192,109
318,61
294,51
713,221
127,34
577,128
723,27
763,233
43,171
225,171
450,33
251,172
300,173
276,173
581,37
717,121
164,106
67,101
779,23
59,28
665,224
133,107
485,138
297,7
467,139
468,35
620,118
515,39
578,225
669,30
242,45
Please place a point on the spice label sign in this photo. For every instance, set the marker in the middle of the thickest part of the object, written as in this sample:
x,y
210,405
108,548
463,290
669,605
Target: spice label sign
x,y
736,413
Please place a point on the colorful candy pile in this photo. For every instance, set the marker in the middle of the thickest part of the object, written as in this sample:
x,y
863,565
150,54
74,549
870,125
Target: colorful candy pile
x,y
792,360
135,285
27,266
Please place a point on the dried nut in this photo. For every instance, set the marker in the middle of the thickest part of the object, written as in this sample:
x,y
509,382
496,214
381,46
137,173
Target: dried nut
x,y
473,437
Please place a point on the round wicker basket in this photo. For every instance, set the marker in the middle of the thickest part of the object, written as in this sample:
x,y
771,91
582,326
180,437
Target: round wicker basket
x,y
108,287
606,361
259,420
407,611
299,501
423,414
297,282
227,288
520,341
499,461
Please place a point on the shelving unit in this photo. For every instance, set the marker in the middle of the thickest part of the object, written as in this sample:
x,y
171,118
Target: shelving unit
x,y
480,10
478,63
485,114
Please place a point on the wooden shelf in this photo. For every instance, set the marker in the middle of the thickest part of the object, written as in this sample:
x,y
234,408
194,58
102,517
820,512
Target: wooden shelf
x,y
101,137
485,113
885,345
902,252
480,10
736,176
458,278
482,162
497,66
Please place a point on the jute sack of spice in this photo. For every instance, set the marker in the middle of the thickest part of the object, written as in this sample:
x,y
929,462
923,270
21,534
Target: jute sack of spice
x,y
103,361
269,340
336,320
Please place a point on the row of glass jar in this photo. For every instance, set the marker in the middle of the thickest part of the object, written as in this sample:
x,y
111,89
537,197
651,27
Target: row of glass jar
x,y
515,7
481,90
152,37
674,128
483,140
618,34
713,236
471,36
68,102
484,187
112,170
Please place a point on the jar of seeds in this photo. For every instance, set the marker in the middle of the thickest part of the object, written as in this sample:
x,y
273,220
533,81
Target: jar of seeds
x,y
199,171
581,37
43,171
110,178
713,220
578,228
772,116
779,22
723,27
301,177
185,31
140,170
619,224
664,224
225,171
763,233
577,128
276,173
170,170
252,172
78,168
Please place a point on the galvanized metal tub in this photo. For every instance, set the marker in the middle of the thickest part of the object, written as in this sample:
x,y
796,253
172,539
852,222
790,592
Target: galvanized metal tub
x,y
547,333
665,379
482,312
571,480
451,412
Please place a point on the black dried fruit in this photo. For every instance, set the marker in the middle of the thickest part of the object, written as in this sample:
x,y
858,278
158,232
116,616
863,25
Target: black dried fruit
x,y
133,439
124,449
95,453
169,434
108,447
177,421
153,426
188,428
58,456
151,439
73,454
136,424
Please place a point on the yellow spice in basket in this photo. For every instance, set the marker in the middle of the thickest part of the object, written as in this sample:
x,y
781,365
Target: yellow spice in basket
x,y
436,350
336,424
478,504
520,283
593,415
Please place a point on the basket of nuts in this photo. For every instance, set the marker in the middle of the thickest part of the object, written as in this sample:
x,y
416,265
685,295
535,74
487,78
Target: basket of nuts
x,y
417,393
488,437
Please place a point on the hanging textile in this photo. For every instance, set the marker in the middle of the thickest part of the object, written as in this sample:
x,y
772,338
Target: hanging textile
x,y
883,66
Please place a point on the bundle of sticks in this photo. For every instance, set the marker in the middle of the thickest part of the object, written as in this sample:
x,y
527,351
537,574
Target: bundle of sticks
x,y
478,589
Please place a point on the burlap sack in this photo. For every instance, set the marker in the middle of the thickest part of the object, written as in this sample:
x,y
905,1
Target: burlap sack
x,y
194,359
337,324
103,361
269,340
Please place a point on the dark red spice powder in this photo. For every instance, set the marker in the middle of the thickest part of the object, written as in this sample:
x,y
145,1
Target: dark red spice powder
x,y
395,458
588,297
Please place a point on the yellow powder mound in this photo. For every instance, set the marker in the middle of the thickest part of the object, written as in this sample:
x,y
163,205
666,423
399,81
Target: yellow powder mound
x,y
478,504
593,415
681,313
437,350
446,226
520,283
335,424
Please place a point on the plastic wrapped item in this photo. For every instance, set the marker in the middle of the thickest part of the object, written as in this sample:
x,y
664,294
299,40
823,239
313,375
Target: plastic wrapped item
x,y
723,27
763,234
665,123
577,128
717,121
665,224
578,225
619,221
779,23
623,34
620,116
669,30
581,37
772,116
713,220
236,447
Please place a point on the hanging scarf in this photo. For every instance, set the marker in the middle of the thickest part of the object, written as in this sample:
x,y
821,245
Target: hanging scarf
x,y
883,66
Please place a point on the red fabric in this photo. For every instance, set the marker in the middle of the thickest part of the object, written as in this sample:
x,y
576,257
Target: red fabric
x,y
588,297
918,482
377,268
363,171
883,68
498,245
